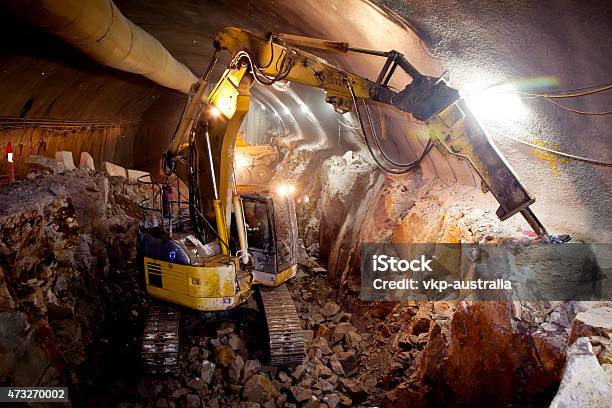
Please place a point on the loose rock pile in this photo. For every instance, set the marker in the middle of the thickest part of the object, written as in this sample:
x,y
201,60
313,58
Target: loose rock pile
x,y
227,367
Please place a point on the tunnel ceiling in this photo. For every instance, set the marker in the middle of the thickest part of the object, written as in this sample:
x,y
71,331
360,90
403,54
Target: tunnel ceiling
x,y
186,28
479,43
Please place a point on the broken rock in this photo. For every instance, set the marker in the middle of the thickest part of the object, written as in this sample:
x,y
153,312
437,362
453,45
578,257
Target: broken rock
x,y
207,370
45,163
298,372
235,369
149,389
113,170
595,321
584,383
354,389
66,158
260,389
192,401
301,394
336,366
86,162
251,367
6,300
236,343
224,356
348,359
137,175
330,309
341,329
332,400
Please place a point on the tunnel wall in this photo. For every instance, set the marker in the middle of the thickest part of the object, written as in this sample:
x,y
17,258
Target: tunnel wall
x,y
116,142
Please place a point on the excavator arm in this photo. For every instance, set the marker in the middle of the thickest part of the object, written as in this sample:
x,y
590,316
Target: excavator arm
x,y
281,57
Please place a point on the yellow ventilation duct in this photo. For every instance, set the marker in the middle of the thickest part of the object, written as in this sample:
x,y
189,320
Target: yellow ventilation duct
x,y
97,28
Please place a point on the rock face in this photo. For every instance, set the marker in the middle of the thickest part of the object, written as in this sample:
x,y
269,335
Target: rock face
x,y
584,384
481,369
341,216
61,246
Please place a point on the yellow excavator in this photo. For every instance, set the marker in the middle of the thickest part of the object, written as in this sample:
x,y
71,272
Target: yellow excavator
x,y
224,243
254,164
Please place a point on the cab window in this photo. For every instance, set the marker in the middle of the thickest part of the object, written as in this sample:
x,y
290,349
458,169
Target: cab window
x,y
257,225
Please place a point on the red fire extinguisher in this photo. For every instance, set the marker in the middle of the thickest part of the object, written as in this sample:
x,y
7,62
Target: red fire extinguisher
x,y
167,198
10,166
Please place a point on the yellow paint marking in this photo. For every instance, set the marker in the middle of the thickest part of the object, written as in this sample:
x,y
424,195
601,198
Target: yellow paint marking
x,y
552,159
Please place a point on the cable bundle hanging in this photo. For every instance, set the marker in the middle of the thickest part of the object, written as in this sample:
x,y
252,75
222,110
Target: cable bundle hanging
x,y
261,78
403,167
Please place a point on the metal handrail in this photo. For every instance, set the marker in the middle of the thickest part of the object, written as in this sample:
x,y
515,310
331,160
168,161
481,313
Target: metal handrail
x,y
143,205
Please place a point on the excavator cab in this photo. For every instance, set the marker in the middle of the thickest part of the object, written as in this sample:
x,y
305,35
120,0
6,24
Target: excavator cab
x,y
271,226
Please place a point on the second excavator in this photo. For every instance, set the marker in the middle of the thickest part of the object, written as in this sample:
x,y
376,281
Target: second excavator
x,y
225,243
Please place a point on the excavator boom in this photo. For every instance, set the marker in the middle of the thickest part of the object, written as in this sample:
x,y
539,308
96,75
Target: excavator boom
x,y
280,57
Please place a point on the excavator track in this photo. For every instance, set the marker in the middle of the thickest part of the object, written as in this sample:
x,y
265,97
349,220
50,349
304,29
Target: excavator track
x,y
284,327
160,344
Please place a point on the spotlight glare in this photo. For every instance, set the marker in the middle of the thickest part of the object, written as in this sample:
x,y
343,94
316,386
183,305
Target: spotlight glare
x,y
285,189
496,105
214,111
242,161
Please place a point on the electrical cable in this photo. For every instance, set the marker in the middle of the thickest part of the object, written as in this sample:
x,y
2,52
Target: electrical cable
x,y
377,140
260,76
558,153
565,93
344,124
271,54
577,111
573,93
570,93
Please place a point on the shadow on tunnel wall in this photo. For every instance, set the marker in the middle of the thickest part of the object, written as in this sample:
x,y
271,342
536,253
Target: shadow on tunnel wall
x,y
155,131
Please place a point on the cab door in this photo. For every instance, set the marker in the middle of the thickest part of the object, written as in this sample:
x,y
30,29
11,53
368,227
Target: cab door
x,y
260,232
285,228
